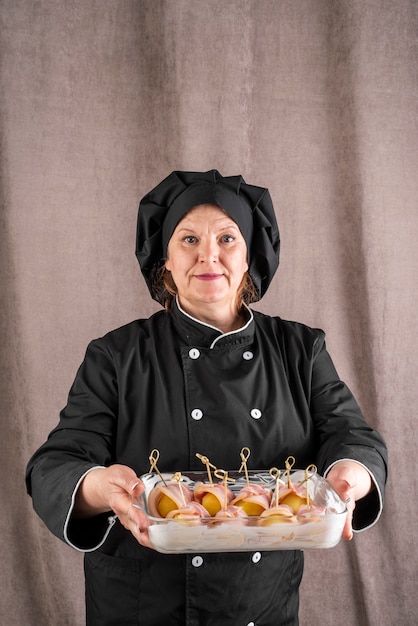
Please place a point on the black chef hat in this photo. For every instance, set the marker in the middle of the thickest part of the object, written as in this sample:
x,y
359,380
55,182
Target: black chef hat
x,y
250,207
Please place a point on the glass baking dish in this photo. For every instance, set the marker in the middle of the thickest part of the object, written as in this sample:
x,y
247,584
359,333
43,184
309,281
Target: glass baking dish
x,y
310,529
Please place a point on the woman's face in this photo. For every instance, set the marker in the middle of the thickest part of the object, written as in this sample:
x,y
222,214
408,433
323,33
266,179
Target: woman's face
x,y
207,257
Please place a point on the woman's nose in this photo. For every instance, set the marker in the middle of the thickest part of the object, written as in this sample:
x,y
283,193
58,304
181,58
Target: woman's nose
x,y
208,252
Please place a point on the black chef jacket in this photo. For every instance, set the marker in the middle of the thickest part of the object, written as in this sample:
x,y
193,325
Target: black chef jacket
x,y
172,383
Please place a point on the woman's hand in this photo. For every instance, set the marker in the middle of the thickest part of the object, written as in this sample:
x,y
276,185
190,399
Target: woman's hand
x,y
351,481
115,488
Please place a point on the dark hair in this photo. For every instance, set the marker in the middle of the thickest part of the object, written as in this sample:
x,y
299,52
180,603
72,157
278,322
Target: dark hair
x,y
164,289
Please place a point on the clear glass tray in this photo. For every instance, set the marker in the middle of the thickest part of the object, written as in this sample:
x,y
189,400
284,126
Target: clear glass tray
x,y
309,529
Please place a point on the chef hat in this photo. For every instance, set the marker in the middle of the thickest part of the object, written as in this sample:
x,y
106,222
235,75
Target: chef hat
x,y
250,207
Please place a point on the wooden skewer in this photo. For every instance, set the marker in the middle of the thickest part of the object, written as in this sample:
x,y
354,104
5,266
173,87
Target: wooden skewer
x,y
245,455
208,464
177,478
153,458
289,463
275,473
223,475
312,469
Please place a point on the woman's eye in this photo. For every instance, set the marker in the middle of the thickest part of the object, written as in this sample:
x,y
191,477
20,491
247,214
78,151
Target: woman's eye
x,y
227,238
190,239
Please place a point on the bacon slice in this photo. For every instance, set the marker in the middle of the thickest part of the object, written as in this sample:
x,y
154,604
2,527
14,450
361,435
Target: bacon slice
x,y
193,510
253,499
231,511
218,499
176,492
312,509
280,513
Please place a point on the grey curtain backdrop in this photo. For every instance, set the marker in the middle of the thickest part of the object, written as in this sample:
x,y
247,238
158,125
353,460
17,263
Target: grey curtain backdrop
x,y
315,99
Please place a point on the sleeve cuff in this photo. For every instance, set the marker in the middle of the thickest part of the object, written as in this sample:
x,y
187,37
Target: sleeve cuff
x,y
87,534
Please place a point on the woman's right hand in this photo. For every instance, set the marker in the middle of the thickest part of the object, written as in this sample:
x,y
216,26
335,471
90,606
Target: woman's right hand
x,y
114,488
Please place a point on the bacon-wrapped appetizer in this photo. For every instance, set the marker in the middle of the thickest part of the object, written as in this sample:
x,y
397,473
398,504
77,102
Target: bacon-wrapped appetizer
x,y
213,497
168,497
253,499
296,496
293,496
231,512
192,511
296,500
309,512
279,513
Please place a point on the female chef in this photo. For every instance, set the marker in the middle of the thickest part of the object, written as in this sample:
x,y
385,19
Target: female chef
x,y
205,375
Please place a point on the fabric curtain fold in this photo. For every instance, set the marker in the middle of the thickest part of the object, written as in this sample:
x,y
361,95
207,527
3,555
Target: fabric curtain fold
x,y
314,100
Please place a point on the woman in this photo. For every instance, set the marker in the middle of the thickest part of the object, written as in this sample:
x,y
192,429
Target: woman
x,y
207,375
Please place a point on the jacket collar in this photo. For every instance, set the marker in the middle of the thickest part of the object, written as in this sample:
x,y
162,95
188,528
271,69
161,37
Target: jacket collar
x,y
195,332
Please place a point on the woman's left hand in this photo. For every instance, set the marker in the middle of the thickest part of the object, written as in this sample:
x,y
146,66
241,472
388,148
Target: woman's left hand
x,y
351,481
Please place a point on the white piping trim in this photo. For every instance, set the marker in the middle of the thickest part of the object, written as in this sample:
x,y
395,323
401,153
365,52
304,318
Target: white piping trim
x,y
222,335
111,519
375,484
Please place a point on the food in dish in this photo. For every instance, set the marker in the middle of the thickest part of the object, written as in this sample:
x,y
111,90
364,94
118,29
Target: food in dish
x,y
169,497
254,499
213,497
274,510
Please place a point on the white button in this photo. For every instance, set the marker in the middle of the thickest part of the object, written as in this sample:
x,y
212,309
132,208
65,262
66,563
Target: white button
x,y
248,355
255,413
197,561
194,353
250,624
197,414
256,557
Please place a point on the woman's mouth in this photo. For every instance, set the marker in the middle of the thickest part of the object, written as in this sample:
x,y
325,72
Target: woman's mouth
x,y
208,276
